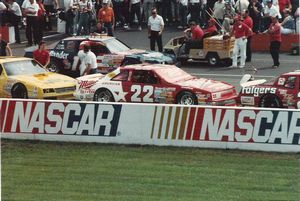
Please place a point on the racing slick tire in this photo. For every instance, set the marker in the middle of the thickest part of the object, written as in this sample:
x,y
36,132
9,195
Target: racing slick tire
x,y
19,91
103,95
186,98
54,66
130,61
270,101
213,59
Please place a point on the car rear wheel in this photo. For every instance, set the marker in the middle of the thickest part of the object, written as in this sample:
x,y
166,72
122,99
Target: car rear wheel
x,y
103,95
270,101
19,91
187,98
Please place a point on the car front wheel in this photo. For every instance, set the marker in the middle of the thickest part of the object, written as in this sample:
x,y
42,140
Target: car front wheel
x,y
270,101
103,95
19,91
187,98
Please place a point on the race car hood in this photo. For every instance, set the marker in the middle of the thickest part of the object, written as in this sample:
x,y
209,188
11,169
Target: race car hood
x,y
207,85
45,80
149,56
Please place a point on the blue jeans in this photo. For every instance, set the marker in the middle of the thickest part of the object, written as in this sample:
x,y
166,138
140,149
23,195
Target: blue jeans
x,y
83,23
183,10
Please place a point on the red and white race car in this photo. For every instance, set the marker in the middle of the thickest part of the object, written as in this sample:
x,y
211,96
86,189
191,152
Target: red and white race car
x,y
281,92
154,84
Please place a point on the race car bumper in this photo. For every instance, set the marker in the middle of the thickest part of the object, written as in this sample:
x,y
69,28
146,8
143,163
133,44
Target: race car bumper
x,y
83,96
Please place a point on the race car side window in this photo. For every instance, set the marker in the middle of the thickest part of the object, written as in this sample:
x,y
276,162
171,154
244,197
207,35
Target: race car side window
x,y
99,49
122,76
144,76
290,82
71,46
60,45
1,69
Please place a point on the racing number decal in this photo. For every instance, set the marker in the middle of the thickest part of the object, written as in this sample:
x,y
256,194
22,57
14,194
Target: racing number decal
x,y
137,89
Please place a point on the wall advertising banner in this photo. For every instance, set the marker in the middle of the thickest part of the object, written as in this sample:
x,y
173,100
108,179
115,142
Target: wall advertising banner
x,y
151,124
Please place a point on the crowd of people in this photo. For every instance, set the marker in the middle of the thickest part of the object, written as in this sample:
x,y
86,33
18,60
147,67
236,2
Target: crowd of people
x,y
239,18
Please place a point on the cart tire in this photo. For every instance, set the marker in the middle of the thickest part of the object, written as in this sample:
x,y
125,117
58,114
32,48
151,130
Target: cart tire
x,y
213,59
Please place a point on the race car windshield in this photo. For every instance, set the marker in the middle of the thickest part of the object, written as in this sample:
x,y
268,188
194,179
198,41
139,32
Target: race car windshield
x,y
174,74
24,67
115,46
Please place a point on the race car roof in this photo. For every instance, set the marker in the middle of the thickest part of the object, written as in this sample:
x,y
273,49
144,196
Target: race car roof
x,y
296,72
146,66
4,59
88,37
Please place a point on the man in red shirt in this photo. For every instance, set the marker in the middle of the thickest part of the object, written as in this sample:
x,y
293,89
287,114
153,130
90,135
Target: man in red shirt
x,y
240,31
211,29
275,39
284,6
249,22
196,39
42,54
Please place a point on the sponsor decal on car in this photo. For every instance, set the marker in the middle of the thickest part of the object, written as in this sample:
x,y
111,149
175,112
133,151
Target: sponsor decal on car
x,y
60,55
256,91
62,118
247,100
226,125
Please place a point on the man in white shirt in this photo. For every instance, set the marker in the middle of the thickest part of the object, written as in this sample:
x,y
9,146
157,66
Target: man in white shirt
x,y
89,65
14,15
30,10
155,28
270,11
219,11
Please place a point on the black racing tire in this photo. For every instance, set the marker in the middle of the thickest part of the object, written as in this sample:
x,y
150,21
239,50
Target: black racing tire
x,y
213,59
103,95
19,91
186,98
270,101
54,66
130,61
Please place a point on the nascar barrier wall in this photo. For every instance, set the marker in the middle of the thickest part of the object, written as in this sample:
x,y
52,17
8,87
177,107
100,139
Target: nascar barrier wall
x,y
169,125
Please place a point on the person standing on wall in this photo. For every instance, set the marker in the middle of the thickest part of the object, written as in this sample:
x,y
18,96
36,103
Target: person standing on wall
x,y
275,40
135,9
249,22
240,31
40,20
30,10
155,28
106,18
41,54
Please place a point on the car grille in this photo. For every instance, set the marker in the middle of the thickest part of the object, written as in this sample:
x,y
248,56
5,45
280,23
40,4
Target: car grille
x,y
65,89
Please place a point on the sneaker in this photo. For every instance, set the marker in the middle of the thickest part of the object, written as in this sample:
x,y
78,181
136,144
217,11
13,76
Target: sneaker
x,y
241,66
233,66
275,66
180,27
140,28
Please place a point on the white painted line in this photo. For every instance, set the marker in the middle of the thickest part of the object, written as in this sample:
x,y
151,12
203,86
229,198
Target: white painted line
x,y
230,75
53,35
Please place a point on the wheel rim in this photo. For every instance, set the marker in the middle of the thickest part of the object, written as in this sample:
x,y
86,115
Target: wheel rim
x,y
213,61
103,96
19,92
187,100
53,68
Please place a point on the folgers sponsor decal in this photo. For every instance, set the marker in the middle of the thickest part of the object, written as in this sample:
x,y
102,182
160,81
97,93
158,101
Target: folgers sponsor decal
x,y
227,125
62,118
258,90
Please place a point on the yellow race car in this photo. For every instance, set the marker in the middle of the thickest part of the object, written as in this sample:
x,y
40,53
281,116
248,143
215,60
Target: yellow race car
x,y
22,77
